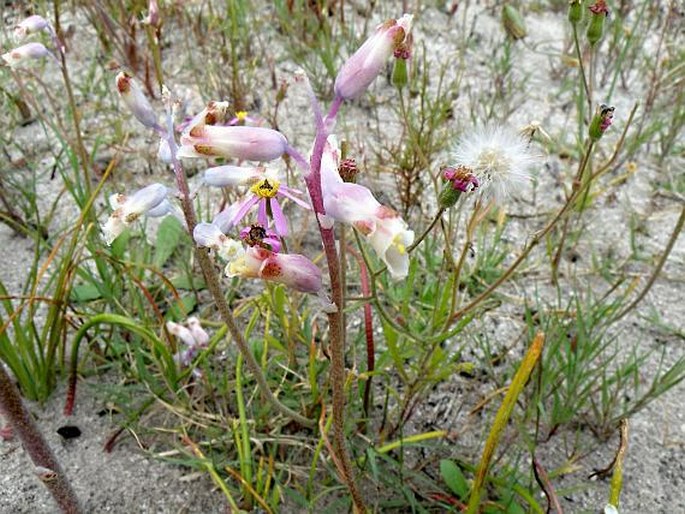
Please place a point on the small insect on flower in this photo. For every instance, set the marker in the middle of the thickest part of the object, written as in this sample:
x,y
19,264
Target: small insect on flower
x,y
292,270
498,157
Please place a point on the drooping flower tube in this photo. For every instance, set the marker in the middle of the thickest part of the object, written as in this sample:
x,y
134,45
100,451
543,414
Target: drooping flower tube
x,y
360,70
203,136
25,52
293,270
209,235
136,101
384,229
193,340
127,209
31,25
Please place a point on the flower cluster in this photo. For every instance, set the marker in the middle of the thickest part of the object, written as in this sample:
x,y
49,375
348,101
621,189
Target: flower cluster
x,y
350,203
193,339
34,50
255,249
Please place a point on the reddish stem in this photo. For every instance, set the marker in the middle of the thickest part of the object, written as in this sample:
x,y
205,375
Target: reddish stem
x,y
368,329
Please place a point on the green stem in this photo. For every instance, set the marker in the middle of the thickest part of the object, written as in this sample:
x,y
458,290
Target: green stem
x,y
657,271
579,55
564,231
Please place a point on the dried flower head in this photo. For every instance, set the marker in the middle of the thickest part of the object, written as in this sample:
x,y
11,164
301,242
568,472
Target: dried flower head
x,y
498,158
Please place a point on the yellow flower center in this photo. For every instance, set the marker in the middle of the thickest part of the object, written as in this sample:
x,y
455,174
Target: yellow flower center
x,y
266,188
241,115
399,245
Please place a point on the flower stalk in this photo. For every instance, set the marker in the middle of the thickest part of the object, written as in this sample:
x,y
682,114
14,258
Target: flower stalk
x,y
213,284
335,319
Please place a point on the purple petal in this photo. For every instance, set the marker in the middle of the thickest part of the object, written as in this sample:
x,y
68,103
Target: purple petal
x,y
280,223
262,218
244,208
289,193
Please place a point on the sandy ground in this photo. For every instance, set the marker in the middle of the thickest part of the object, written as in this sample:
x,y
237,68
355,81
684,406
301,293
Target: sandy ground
x,y
127,480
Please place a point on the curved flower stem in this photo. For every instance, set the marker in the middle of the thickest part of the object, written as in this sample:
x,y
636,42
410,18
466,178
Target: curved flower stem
x,y
213,284
335,319
564,231
47,467
582,68
657,271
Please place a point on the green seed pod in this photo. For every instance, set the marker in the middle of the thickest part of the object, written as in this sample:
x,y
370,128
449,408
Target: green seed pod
x,y
601,121
448,196
513,23
400,77
595,29
575,11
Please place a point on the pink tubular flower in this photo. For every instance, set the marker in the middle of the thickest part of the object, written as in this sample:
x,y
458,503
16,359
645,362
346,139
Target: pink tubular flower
x,y
152,18
368,61
209,235
24,52
30,25
203,137
461,178
385,231
193,340
232,176
293,270
265,193
128,209
136,101
599,7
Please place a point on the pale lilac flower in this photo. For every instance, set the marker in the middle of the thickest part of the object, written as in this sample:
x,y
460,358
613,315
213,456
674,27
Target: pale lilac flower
x,y
385,230
25,52
225,219
136,101
152,18
293,270
233,176
498,157
242,118
194,339
209,235
360,70
30,25
128,209
203,137
265,193
199,333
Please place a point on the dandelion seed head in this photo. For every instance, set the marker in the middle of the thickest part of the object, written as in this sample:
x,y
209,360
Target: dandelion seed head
x,y
498,157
